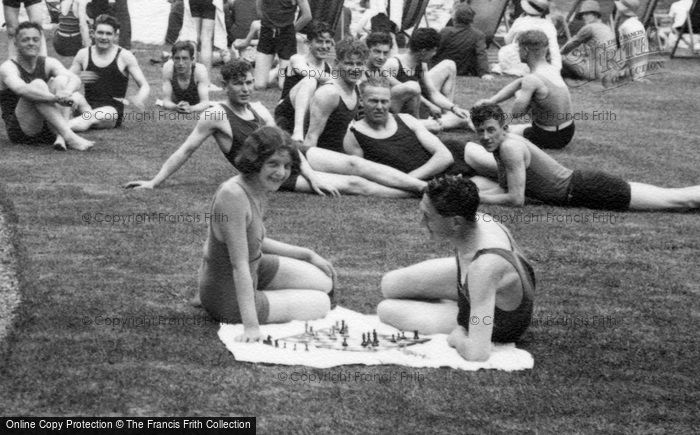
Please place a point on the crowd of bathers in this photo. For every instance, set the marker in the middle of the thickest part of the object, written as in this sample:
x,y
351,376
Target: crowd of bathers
x,y
348,121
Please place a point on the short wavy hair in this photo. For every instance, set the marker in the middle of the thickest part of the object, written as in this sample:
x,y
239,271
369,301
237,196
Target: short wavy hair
x,y
454,195
262,144
379,38
424,38
483,113
317,28
350,46
108,20
235,70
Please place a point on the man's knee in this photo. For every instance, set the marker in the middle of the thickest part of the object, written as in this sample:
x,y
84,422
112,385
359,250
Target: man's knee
x,y
354,164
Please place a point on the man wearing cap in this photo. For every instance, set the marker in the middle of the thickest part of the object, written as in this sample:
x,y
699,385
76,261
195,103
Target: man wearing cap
x,y
463,44
542,94
593,41
632,45
533,18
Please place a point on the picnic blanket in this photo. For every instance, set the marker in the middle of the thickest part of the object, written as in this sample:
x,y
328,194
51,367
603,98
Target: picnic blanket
x,y
434,353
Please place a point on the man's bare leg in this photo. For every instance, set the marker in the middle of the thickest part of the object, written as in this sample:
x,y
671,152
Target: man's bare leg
x,y
336,163
31,117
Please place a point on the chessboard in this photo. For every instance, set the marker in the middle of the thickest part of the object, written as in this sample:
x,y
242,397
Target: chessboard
x,y
338,337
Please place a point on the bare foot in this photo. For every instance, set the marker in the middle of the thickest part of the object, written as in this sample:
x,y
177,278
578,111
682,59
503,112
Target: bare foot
x,y
80,144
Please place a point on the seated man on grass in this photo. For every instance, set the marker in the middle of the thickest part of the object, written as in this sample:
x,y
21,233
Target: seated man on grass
x,y
185,82
399,141
526,171
105,68
36,94
232,121
493,300
303,75
410,75
542,93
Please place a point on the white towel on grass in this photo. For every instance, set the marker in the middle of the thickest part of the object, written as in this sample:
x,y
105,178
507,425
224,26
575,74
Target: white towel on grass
x,y
435,353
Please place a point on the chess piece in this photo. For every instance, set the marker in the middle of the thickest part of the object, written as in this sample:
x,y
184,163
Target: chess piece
x,y
345,342
306,345
393,339
306,327
277,343
295,347
415,335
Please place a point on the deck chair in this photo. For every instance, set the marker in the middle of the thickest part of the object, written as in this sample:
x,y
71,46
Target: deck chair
x,y
413,12
488,16
328,11
691,23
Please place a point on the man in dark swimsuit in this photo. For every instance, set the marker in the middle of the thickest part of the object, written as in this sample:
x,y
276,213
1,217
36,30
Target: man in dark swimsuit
x,y
493,300
526,171
232,122
303,75
399,141
543,94
36,94
335,104
105,69
185,83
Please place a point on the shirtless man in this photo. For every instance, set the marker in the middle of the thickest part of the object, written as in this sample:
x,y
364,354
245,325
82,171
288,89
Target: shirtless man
x,y
230,123
36,94
105,68
542,93
185,82
399,141
525,171
410,75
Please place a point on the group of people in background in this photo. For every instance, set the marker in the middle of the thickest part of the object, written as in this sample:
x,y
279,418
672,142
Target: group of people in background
x,y
349,124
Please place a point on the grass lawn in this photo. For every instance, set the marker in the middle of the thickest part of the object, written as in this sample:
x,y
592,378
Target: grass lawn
x,y
614,340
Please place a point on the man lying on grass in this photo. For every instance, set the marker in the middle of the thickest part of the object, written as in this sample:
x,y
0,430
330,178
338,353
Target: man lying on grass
x,y
526,171
246,277
495,283
231,122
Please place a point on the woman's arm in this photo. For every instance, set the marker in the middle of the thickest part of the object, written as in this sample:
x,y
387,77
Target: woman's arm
x,y
271,246
232,202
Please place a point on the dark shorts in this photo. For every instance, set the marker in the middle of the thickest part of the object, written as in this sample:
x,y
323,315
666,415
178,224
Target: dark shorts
x,y
459,167
223,305
281,41
17,3
120,110
67,45
202,9
16,135
284,115
598,190
549,139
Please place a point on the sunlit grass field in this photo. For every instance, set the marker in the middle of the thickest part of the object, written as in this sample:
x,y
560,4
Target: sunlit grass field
x,y
104,327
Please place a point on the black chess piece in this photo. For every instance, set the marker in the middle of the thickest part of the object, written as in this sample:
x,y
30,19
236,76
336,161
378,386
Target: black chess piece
x,y
393,339
415,335
277,343
345,342
306,347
